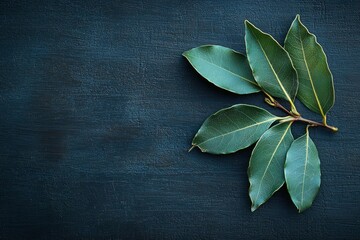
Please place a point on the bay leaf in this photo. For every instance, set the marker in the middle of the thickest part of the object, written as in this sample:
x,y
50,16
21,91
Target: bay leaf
x,y
270,64
232,129
266,166
316,87
223,67
302,172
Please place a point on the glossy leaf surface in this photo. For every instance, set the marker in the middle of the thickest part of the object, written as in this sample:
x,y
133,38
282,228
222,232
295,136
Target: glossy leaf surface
x,y
316,89
266,166
223,67
232,129
302,172
270,64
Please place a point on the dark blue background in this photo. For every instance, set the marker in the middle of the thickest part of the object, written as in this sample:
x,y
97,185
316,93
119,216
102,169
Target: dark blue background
x,y
98,109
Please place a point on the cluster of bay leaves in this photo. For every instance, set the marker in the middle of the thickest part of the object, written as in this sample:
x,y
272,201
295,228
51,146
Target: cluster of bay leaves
x,y
299,69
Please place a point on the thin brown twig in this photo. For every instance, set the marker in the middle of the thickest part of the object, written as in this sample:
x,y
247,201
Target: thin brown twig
x,y
278,105
313,123
271,101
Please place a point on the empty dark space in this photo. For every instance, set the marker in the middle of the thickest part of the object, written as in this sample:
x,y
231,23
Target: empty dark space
x,y
98,109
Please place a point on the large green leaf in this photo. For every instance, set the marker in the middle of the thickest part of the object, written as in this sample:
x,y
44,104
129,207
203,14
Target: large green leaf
x,y
316,87
302,172
232,129
270,64
266,166
223,67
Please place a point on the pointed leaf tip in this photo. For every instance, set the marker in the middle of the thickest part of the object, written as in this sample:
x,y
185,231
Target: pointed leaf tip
x,y
191,148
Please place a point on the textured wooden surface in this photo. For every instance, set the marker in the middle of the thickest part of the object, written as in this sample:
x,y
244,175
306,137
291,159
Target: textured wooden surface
x,y
98,109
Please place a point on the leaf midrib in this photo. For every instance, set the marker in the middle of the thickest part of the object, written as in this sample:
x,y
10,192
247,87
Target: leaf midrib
x,y
310,77
272,69
272,157
231,132
211,63
305,168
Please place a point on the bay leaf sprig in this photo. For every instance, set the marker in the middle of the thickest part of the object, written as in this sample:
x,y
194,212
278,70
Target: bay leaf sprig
x,y
299,69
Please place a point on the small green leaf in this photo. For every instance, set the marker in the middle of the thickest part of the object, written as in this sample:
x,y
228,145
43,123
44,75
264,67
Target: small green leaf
x,y
302,172
223,67
232,129
316,87
266,166
270,64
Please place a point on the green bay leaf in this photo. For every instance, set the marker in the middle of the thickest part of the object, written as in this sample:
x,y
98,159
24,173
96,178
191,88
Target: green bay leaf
x,y
270,64
266,166
223,67
316,87
232,129
302,172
